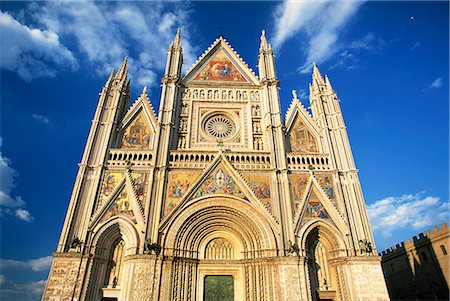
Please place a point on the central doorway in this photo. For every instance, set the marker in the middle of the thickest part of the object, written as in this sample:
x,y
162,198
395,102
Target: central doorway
x,y
218,288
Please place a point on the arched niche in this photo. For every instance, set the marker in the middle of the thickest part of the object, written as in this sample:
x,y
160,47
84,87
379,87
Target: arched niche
x,y
321,243
112,241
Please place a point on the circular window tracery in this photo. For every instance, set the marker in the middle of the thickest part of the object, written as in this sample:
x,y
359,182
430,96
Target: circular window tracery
x,y
220,127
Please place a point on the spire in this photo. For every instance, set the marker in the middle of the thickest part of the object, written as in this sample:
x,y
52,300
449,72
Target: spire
x,y
328,83
110,78
177,40
316,76
122,73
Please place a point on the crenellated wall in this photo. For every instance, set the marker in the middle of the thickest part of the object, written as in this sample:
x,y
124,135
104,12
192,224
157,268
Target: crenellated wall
x,y
418,268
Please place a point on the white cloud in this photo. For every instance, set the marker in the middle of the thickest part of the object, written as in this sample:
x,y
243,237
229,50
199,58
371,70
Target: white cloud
x,y
408,211
437,83
29,291
38,264
320,23
106,32
7,175
31,52
41,118
24,215
348,53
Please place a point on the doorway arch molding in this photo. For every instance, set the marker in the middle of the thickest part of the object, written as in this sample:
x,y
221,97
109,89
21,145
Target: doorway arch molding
x,y
188,231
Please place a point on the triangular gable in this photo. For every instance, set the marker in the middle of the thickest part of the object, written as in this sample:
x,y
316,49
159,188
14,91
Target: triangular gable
x,y
317,205
220,179
302,131
221,64
139,124
121,202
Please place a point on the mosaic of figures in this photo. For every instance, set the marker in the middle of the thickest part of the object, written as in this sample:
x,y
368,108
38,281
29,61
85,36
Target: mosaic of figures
x,y
301,139
219,182
137,134
110,182
140,184
260,184
220,68
224,94
314,208
120,206
298,184
178,184
326,182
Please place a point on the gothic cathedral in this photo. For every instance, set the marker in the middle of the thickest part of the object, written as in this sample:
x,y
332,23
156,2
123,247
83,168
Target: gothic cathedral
x,y
216,196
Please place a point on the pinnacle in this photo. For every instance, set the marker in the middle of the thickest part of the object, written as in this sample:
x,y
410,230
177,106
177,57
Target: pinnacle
x,y
316,76
122,73
177,40
328,83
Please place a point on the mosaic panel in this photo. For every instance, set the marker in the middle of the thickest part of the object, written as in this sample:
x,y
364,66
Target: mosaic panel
x,y
314,208
301,139
261,186
137,134
298,188
219,182
110,182
120,206
178,184
220,68
140,185
326,182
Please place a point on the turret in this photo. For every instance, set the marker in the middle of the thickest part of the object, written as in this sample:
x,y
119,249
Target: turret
x,y
265,60
170,92
327,112
274,133
113,101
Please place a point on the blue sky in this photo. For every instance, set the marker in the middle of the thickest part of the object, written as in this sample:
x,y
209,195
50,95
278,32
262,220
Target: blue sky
x,y
387,61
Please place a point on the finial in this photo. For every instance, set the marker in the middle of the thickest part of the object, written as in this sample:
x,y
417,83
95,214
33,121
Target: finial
x,y
264,43
144,91
316,76
294,94
177,40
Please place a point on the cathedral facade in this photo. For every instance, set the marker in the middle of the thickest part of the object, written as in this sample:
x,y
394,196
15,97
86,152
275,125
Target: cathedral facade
x,y
216,196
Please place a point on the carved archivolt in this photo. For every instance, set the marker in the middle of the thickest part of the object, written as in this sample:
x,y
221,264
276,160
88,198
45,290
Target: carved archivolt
x,y
113,229
224,214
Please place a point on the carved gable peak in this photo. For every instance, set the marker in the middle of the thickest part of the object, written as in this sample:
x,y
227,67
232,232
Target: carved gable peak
x,y
221,63
143,101
296,107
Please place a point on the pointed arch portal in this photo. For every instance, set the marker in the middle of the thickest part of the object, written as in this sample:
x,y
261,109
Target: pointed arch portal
x,y
220,233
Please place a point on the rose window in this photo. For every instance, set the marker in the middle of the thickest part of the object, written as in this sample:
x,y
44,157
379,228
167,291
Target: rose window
x,y
219,127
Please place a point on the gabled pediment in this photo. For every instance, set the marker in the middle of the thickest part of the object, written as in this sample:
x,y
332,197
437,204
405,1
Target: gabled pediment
x,y
317,205
123,200
301,130
220,179
139,124
220,64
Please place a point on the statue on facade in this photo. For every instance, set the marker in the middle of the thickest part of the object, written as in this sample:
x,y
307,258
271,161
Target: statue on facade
x,y
151,248
292,248
365,247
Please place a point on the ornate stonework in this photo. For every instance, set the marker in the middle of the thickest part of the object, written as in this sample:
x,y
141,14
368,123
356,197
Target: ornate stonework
x,y
217,187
